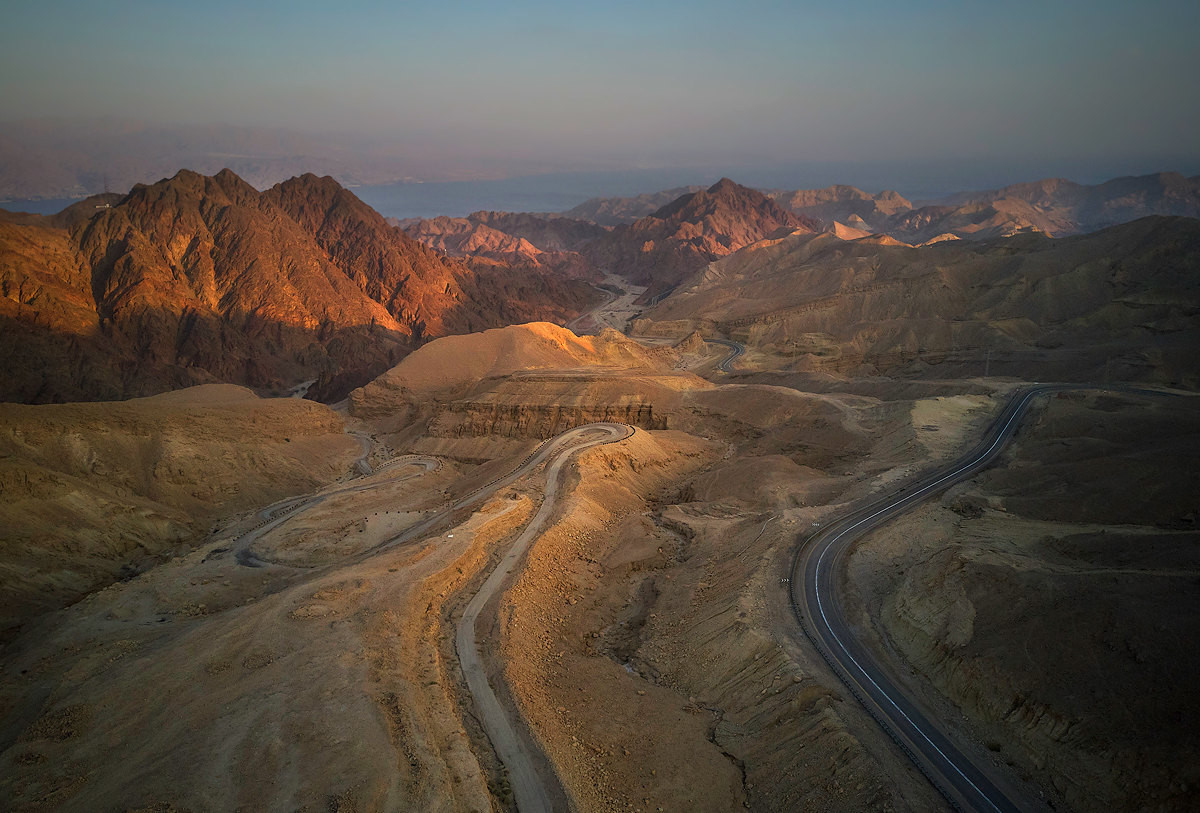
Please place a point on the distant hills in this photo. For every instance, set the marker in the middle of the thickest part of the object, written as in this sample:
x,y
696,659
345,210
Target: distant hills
x,y
843,204
616,211
1122,303
1052,206
665,247
548,242
198,279
660,248
1055,207
657,249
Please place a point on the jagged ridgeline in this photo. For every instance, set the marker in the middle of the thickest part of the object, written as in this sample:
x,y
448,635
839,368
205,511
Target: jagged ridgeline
x,y
200,279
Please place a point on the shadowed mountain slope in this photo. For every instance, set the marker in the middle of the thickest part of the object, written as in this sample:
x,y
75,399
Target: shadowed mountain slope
x,y
197,279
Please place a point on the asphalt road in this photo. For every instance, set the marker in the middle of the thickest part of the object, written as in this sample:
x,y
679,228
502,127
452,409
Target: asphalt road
x,y
735,351
968,784
531,795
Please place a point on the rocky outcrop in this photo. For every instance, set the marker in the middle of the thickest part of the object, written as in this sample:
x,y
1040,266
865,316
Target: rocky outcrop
x,y
692,343
482,419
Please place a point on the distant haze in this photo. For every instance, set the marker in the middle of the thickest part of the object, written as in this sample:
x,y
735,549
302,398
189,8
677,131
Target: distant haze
x,y
978,94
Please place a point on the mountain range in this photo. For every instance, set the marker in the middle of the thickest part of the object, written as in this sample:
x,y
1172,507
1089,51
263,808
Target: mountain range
x,y
197,279
658,249
1053,206
1116,304
549,242
662,249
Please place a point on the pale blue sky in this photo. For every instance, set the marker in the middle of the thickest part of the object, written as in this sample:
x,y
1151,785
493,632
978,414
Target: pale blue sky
x,y
634,84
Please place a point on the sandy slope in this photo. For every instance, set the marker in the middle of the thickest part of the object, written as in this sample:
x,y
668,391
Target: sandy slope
x,y
94,492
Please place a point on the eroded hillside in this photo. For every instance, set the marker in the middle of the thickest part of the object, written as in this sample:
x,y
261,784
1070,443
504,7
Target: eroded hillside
x,y
1053,599
1121,304
93,493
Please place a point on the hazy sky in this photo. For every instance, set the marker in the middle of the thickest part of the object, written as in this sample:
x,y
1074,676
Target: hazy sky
x,y
646,83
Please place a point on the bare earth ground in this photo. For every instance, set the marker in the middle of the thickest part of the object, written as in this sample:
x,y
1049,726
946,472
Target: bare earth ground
x,y
645,646
96,492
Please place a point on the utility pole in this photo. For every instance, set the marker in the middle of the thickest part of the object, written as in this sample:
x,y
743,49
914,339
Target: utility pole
x,y
987,365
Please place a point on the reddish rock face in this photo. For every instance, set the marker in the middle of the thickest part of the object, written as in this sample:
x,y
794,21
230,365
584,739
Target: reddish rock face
x,y
547,242
662,249
198,279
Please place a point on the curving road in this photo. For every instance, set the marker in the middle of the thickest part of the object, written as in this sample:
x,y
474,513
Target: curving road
x,y
735,351
967,784
530,793
274,515
364,440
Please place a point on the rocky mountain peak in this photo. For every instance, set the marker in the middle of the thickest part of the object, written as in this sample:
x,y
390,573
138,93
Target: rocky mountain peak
x,y
197,278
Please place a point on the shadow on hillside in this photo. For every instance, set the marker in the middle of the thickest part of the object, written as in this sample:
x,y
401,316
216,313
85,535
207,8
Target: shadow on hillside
x,y
162,351
159,350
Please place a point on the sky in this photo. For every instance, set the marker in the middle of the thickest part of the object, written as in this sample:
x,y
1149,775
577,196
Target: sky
x,y
614,85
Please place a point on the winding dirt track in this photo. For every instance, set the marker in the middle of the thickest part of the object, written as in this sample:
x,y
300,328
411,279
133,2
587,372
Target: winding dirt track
x,y
512,750
530,793
274,515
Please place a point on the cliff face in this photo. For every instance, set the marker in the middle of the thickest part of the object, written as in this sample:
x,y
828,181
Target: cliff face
x,y
198,279
664,248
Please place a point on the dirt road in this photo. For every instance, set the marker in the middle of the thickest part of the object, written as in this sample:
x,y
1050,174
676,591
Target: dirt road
x,y
527,786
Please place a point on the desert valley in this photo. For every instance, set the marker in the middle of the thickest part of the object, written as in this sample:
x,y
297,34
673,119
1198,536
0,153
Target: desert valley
x,y
542,407
714,499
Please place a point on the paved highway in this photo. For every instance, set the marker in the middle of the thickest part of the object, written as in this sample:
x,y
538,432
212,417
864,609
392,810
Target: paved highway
x,y
967,784
735,351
